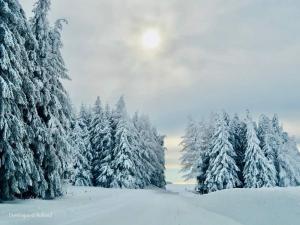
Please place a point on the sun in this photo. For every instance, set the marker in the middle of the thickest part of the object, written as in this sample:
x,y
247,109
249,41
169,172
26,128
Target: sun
x,y
151,39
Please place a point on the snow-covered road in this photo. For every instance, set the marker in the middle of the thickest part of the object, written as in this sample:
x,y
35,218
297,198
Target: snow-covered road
x,y
176,206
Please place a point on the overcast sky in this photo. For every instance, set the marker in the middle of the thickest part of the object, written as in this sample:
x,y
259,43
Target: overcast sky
x,y
229,54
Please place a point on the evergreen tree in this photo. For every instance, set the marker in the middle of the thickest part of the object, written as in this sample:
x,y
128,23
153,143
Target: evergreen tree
x,y
258,171
288,163
152,152
85,115
277,143
269,140
202,161
53,105
101,143
191,149
145,147
268,143
158,178
82,175
95,138
237,130
127,162
222,171
19,175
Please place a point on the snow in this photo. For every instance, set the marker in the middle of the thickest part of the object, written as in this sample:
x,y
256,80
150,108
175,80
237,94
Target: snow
x,y
178,205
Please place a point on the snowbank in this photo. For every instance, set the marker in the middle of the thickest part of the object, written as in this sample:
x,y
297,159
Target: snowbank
x,y
176,206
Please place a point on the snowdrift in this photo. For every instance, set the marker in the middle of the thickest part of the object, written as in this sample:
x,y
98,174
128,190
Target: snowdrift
x,y
177,205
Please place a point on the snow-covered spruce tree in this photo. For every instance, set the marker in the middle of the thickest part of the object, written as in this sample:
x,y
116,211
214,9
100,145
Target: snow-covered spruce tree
x,y
101,144
222,172
196,145
145,147
288,162
237,130
150,148
105,177
278,139
53,105
158,178
202,161
258,171
85,114
288,156
127,162
96,138
19,175
81,174
269,142
190,149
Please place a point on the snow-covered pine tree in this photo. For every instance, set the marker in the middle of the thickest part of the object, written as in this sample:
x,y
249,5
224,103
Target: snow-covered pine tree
x,y
288,162
127,162
237,130
268,142
158,178
202,162
96,138
53,105
258,171
150,149
81,175
288,156
105,177
19,175
222,172
85,114
101,144
280,150
190,149
145,147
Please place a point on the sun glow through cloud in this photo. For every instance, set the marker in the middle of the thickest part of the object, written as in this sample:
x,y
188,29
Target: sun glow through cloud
x,y
151,39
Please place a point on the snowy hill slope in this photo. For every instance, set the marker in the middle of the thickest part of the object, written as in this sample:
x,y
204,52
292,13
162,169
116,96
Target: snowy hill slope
x,y
176,206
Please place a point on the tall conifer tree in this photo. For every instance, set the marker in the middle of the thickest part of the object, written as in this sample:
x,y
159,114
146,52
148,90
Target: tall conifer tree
x,y
53,106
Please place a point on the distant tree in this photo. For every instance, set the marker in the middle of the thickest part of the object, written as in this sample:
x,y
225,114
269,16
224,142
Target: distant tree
x,y
237,131
222,172
190,149
96,137
127,162
207,129
268,142
87,114
258,170
152,152
82,175
288,162
158,178
145,148
101,143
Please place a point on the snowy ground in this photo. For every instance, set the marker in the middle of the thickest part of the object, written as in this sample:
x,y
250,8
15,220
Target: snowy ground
x,y
176,206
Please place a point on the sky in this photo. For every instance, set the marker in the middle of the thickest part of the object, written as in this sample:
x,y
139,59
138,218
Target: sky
x,y
213,55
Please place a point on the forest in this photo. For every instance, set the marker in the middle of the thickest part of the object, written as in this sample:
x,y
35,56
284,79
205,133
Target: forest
x,y
226,152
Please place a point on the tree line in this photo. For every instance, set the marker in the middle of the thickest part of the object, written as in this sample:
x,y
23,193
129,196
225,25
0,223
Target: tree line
x,y
224,152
